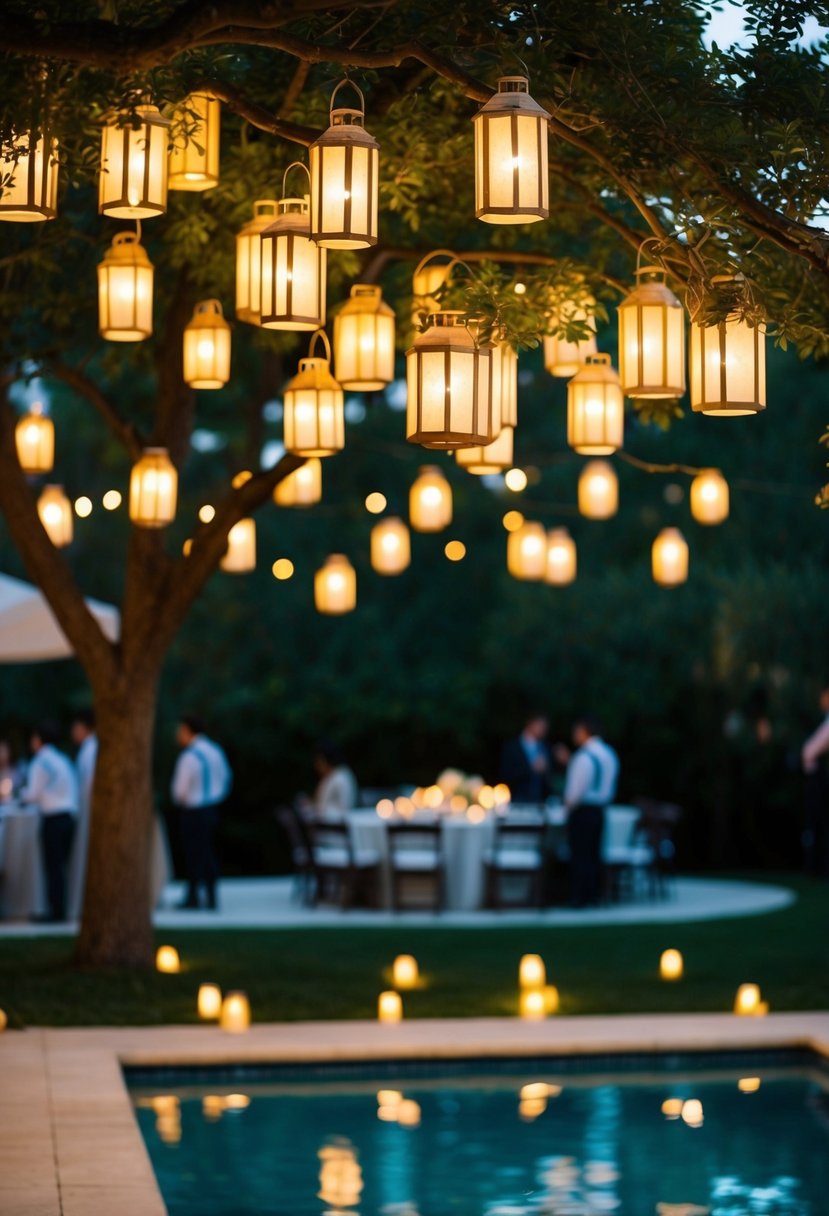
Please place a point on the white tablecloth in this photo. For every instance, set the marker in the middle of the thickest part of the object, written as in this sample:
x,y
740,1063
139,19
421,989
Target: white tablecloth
x,y
21,873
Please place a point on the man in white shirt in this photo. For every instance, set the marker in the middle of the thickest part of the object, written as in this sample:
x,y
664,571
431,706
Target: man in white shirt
x,y
86,741
201,782
590,786
816,793
52,787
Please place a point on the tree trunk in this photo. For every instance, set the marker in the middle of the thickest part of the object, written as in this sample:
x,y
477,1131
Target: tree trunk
x,y
116,930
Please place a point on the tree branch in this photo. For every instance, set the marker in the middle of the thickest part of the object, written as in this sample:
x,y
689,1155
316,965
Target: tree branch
x,y
85,386
258,116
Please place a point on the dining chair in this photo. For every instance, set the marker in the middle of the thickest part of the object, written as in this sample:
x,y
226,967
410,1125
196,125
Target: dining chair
x,y
416,851
517,852
299,843
338,864
626,857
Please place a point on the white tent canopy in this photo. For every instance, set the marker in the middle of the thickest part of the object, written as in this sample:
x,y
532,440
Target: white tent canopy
x,y
28,629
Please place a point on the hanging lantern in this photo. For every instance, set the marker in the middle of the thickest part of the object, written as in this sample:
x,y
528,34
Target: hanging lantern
x,y
125,291
563,358
561,558
598,490
430,501
595,408
302,488
527,552
709,497
207,347
34,437
449,386
55,511
153,489
504,385
652,339
426,281
194,165
240,556
364,340
132,184
391,549
344,170
493,458
314,422
511,175
248,260
29,189
669,558
728,368
335,586
292,267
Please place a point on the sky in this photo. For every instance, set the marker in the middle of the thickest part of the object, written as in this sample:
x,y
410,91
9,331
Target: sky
x,y
727,27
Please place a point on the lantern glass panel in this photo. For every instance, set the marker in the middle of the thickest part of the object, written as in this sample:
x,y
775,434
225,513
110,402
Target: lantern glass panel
x,y
248,254
364,341
133,177
153,489
669,558
391,550
652,341
561,558
302,488
527,552
194,163
55,512
30,188
344,165
207,347
430,501
125,291
292,271
595,409
449,379
728,368
35,442
493,458
511,169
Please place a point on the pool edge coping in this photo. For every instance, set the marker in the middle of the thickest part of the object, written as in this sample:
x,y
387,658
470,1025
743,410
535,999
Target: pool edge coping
x,y
70,1105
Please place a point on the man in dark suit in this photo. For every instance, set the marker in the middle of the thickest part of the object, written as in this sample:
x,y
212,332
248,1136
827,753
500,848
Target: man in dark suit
x,y
525,761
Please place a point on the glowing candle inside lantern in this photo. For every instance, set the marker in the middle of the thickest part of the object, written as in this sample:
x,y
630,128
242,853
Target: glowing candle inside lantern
x,y
167,960
235,1015
531,971
389,1007
210,1000
671,965
405,972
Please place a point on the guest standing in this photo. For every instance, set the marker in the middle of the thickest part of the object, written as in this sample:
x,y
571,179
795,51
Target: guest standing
x,y
52,787
86,741
201,783
525,762
816,792
590,786
12,775
336,792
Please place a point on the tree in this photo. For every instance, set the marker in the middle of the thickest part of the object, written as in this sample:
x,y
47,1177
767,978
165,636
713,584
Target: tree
x,y
716,158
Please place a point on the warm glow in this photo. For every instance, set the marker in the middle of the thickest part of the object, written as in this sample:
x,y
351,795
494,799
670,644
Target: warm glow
x,y
598,490
455,550
390,546
34,437
551,998
314,420
83,507
405,972
747,1001
209,1001
408,1113
376,503
527,552
132,184
502,794
430,501
112,500
235,1014
561,558
283,568
652,339
30,182
248,260
728,368
511,173
364,341
389,1007
672,1108
709,497
504,386
532,972
595,408
344,165
692,1112
428,279
153,489
493,458
748,1085
669,558
563,358
335,586
512,521
194,160
532,1005
167,960
125,291
340,1179
515,480
206,355
292,269
385,808
302,488
207,513
449,382
240,555
55,512
671,965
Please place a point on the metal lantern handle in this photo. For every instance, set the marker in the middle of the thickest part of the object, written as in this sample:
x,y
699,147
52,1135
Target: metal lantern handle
x,y
208,306
295,164
319,333
437,253
356,88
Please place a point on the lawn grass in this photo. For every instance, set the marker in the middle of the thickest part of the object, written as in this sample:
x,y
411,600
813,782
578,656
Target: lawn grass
x,y
315,973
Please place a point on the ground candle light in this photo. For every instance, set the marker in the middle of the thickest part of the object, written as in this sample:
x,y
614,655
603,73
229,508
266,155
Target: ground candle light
x,y
405,971
671,965
389,1007
531,971
235,1015
167,960
210,1000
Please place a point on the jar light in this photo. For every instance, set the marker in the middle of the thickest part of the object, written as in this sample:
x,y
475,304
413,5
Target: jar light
x,y
125,291
728,368
669,558
207,347
364,340
194,163
292,267
391,550
494,457
344,176
335,586
302,488
30,180
430,501
34,437
314,421
504,385
709,497
153,489
563,358
527,552
132,183
240,555
598,492
511,173
561,558
651,339
595,408
55,512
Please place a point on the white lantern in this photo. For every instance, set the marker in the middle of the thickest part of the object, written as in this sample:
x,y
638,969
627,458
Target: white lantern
x,y
153,489
133,178
292,267
598,490
561,558
449,376
430,501
194,163
314,417
504,385
29,181
55,511
391,549
240,556
652,339
364,340
595,408
709,497
248,260
527,552
563,358
302,488
493,458
335,586
207,347
34,438
669,558
344,171
728,368
125,291
511,174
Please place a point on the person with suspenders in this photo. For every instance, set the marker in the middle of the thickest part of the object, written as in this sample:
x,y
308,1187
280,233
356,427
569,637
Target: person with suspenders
x,y
201,782
590,786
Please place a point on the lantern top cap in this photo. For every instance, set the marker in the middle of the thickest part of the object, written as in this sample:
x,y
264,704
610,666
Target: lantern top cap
x,y
558,534
711,473
651,291
596,369
209,313
337,559
160,452
671,533
513,95
148,113
127,249
53,488
366,298
431,470
346,122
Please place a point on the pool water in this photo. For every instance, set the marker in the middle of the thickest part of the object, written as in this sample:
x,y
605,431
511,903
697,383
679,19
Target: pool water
x,y
519,1140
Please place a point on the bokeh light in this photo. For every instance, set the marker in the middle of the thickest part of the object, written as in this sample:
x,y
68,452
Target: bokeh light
x,y
282,568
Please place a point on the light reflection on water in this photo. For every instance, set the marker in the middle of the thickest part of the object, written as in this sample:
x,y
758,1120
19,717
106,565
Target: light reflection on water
x,y
468,1146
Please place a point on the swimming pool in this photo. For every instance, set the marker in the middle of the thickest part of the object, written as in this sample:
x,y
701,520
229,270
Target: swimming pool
x,y
743,1135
